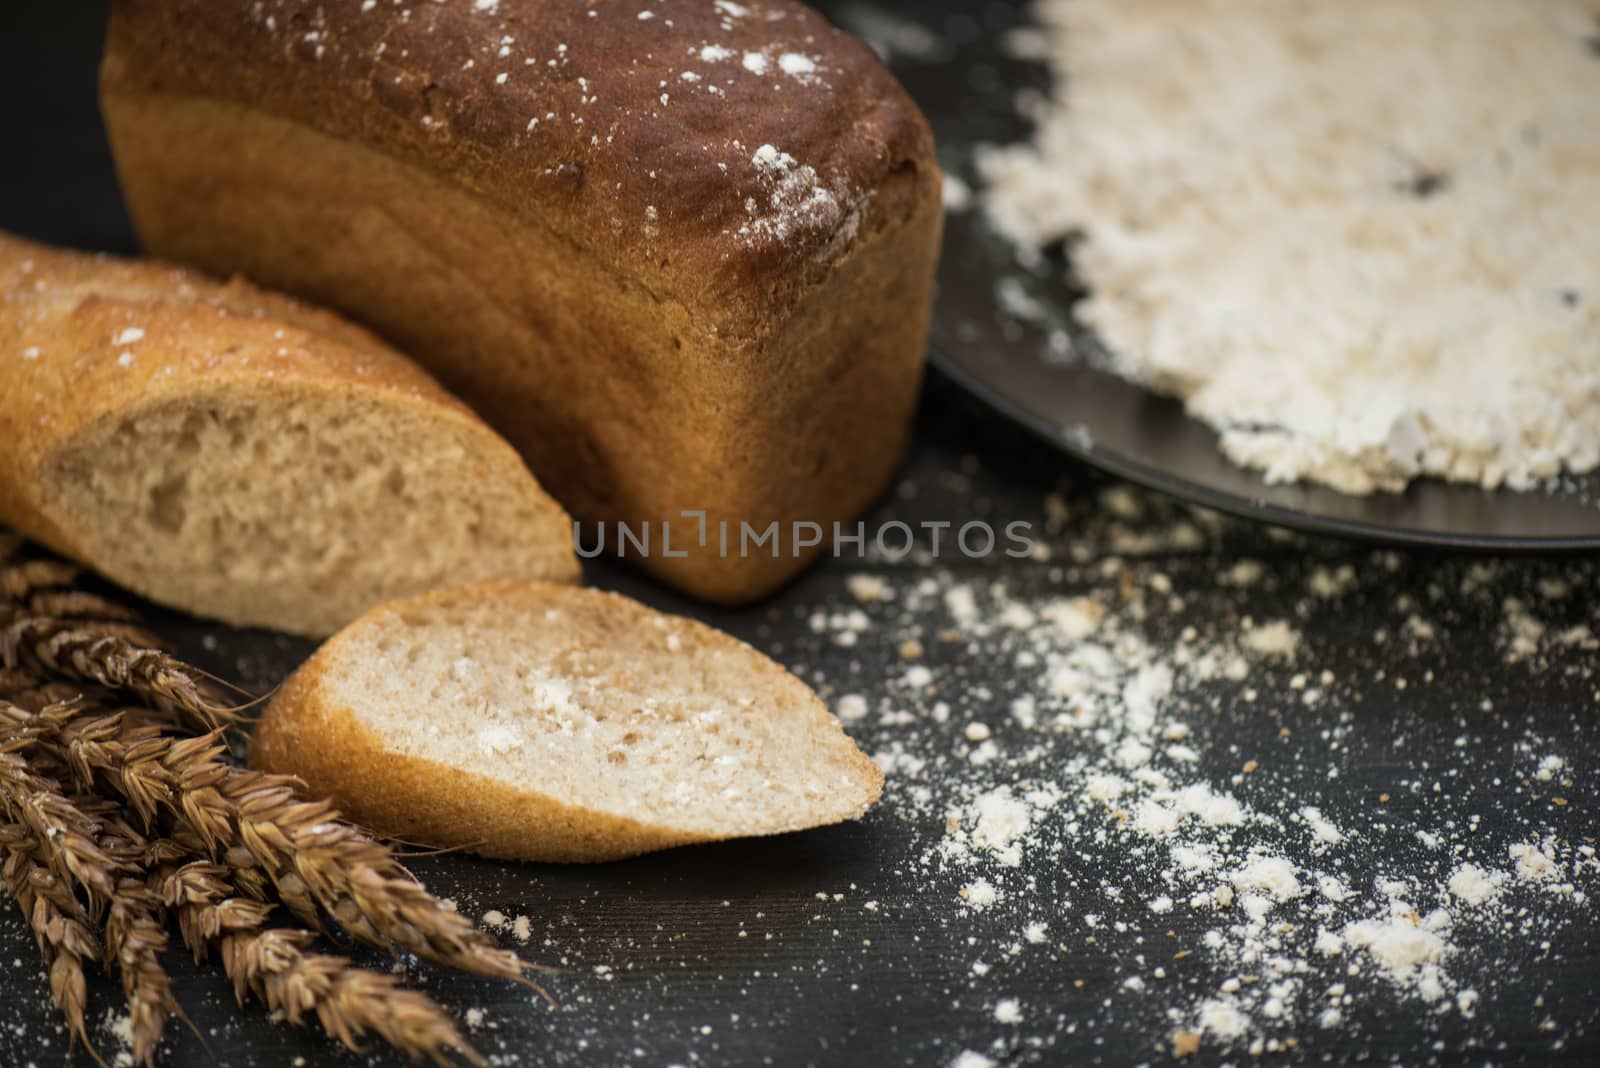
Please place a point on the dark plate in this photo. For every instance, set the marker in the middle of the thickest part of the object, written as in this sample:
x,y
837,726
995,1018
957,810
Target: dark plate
x,y
967,84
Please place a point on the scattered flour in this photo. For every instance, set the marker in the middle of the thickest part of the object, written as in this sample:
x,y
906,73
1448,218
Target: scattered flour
x,y
1270,875
1475,886
1321,828
980,894
1097,755
1277,638
971,1059
852,707
1001,821
1408,947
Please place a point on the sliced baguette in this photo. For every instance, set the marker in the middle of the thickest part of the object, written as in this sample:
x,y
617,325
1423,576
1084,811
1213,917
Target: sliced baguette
x,y
546,722
242,456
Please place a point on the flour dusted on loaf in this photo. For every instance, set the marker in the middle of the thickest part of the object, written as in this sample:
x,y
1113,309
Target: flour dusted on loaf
x,y
648,95
1362,241
797,199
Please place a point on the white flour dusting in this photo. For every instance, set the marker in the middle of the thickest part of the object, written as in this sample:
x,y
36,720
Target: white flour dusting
x,y
797,200
1362,241
1245,914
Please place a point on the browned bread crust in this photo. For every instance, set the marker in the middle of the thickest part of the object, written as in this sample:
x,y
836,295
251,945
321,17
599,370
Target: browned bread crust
x,y
593,135
682,262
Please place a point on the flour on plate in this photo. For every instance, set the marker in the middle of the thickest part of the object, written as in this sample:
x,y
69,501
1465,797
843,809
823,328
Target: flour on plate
x,y
1362,241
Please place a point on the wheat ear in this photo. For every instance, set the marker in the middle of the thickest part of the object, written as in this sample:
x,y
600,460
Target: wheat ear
x,y
37,805
136,930
277,967
136,937
60,925
90,653
19,580
257,824
216,845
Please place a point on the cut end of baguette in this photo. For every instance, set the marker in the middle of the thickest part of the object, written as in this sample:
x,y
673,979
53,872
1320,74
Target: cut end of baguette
x,y
545,722
242,456
300,508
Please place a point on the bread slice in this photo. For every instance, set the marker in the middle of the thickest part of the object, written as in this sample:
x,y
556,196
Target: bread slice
x,y
546,722
244,457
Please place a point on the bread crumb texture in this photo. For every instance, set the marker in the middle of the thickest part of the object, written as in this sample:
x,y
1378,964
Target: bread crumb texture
x,y
592,727
236,454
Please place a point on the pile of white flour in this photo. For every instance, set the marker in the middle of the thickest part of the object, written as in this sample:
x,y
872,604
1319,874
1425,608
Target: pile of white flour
x,y
1362,241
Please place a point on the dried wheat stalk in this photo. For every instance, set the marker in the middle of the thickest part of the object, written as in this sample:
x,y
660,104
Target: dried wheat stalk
x,y
60,925
136,936
56,840
104,654
136,927
37,805
349,1002
255,820
274,964
142,824
29,691
19,580
80,604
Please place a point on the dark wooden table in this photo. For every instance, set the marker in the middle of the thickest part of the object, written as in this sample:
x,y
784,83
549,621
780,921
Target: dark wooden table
x,y
854,945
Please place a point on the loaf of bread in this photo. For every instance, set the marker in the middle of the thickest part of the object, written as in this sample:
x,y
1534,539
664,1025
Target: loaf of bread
x,y
241,456
546,722
679,253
